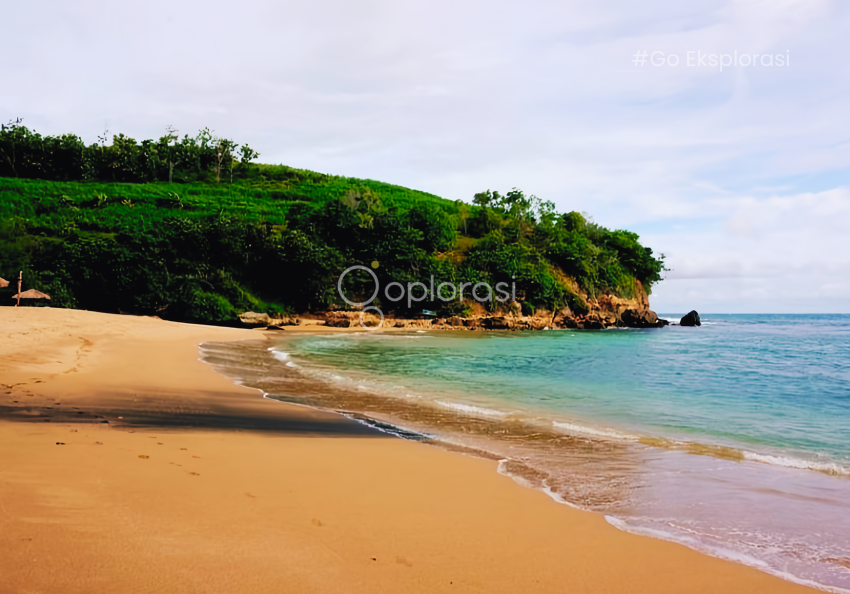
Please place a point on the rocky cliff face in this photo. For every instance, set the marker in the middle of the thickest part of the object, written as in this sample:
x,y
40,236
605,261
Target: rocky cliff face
x,y
604,311
610,310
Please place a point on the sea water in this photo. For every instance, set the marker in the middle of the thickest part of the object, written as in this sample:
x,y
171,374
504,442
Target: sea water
x,y
732,438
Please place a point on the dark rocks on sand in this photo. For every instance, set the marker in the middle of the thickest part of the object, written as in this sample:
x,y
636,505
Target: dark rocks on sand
x,y
690,319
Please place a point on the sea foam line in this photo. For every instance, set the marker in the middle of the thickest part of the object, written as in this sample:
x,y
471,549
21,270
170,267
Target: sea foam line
x,y
718,552
473,410
799,463
279,355
582,429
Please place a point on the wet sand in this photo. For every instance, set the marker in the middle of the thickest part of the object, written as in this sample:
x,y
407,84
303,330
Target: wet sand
x,y
126,464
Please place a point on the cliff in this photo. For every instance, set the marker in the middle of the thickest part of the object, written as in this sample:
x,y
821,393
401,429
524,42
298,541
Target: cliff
x,y
605,311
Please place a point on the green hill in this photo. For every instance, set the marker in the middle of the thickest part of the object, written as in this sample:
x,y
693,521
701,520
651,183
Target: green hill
x,y
98,227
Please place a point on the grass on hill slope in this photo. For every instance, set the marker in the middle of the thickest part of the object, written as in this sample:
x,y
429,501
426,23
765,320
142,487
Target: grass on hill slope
x,y
276,238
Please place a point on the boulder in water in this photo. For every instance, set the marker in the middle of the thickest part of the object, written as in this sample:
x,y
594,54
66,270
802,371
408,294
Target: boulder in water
x,y
690,319
646,318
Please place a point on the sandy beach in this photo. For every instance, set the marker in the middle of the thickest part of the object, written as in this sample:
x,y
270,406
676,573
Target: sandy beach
x,y
128,465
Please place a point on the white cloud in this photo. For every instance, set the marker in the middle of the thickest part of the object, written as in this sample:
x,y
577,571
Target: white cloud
x,y
763,253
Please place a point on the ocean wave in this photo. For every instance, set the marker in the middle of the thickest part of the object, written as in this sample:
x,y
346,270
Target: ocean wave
x,y
595,432
504,469
279,355
472,410
799,463
721,552
737,454
676,319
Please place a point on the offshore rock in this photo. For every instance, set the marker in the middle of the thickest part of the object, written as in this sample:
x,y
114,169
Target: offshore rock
x,y
633,318
690,319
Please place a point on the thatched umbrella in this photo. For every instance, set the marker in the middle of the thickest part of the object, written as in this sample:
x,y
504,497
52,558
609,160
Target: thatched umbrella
x,y
31,294
3,283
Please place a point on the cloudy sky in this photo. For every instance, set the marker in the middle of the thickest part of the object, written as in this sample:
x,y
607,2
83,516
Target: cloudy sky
x,y
740,174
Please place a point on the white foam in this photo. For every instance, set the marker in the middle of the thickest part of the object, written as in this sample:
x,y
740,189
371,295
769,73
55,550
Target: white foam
x,y
470,409
502,469
789,462
719,552
279,355
596,432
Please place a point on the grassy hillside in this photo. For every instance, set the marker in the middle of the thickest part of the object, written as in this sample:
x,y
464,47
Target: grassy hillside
x,y
229,236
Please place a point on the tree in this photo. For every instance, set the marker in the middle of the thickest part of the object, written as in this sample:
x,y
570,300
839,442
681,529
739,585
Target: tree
x,y
516,204
246,155
223,153
170,151
11,135
547,214
463,212
485,199
573,221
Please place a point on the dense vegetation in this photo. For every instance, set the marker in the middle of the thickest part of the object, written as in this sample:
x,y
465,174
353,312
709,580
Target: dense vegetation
x,y
192,229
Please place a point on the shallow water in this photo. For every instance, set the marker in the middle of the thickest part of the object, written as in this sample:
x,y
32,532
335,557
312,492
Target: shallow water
x,y
731,438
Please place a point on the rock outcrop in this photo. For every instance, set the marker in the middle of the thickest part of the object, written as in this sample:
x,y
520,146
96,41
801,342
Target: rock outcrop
x,y
250,318
690,319
633,318
604,311
254,319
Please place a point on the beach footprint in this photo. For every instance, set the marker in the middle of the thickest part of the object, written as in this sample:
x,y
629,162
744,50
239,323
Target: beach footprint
x,y
402,561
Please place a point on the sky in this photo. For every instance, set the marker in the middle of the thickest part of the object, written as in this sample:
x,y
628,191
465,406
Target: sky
x,y
736,167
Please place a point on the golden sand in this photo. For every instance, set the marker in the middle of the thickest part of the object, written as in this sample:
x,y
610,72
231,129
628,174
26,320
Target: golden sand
x,y
200,500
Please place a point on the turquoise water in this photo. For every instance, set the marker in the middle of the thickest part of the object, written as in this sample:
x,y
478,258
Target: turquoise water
x,y
768,383
732,438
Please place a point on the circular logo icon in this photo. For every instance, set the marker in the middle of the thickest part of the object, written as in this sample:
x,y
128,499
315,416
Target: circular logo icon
x,y
380,313
349,301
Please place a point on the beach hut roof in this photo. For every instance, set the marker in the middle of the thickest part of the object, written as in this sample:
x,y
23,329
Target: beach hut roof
x,y
31,294
3,282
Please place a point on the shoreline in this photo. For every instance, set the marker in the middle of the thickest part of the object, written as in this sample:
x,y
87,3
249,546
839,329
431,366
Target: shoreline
x,y
267,496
